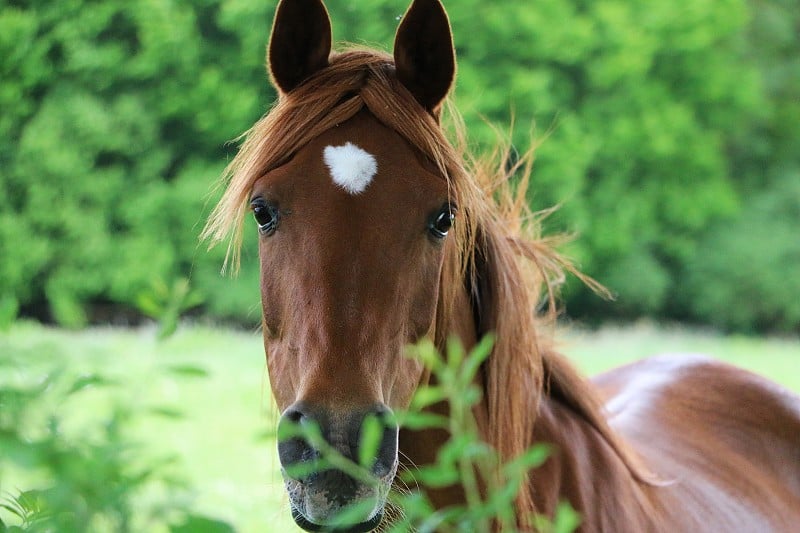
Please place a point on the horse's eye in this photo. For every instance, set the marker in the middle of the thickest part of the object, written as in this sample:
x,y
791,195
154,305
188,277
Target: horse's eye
x,y
442,221
267,216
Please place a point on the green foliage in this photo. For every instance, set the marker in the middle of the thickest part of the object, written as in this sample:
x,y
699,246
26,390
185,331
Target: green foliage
x,y
167,304
754,262
464,460
219,399
635,101
115,122
92,479
200,524
9,307
657,121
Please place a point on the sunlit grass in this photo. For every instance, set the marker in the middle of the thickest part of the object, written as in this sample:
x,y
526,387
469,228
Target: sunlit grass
x,y
210,397
596,351
213,424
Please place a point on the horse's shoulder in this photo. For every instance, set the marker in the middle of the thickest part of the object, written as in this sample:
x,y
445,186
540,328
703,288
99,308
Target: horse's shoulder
x,y
650,376
699,392
717,430
700,384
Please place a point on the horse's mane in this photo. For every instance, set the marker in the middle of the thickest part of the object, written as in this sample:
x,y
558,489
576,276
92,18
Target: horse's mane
x,y
502,259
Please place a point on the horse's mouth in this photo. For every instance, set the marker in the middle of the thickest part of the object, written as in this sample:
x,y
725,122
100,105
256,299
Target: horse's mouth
x,y
363,527
334,502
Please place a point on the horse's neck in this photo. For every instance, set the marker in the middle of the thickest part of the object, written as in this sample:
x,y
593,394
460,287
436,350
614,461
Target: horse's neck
x,y
582,469
420,448
585,471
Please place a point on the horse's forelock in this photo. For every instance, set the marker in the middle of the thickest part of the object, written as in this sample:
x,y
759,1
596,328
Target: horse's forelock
x,y
354,80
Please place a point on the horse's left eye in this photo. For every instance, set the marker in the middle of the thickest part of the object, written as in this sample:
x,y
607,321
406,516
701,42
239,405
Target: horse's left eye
x,y
442,221
267,216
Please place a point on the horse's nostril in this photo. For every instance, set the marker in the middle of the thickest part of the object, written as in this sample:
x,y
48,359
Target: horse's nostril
x,y
297,455
365,436
378,434
293,414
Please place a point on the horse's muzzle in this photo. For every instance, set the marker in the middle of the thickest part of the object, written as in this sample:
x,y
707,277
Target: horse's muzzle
x,y
322,496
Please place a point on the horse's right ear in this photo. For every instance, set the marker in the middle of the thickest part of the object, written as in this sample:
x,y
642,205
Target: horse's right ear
x,y
300,42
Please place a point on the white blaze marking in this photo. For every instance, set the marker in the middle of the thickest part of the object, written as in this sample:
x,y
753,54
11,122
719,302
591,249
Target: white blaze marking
x,y
351,167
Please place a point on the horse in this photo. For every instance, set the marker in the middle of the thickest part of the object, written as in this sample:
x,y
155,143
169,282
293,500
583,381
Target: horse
x,y
376,231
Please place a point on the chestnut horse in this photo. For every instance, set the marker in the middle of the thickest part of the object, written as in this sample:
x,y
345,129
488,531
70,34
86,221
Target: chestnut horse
x,y
375,233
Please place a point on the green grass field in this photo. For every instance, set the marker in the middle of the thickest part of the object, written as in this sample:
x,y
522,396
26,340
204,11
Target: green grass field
x,y
204,397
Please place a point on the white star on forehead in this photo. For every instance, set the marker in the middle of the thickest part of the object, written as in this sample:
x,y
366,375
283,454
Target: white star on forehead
x,y
351,167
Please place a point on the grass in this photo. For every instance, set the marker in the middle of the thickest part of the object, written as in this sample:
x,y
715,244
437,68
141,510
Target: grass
x,y
596,351
218,440
208,402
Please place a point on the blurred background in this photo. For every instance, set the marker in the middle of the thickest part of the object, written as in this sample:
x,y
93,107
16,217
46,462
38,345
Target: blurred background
x,y
668,133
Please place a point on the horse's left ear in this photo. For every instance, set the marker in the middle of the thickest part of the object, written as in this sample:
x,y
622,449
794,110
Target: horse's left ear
x,y
300,42
424,54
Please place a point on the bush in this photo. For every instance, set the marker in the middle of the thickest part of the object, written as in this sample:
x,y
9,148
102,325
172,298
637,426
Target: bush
x,y
655,122
119,114
746,273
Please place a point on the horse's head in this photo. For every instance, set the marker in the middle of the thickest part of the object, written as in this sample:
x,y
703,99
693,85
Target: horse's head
x,y
353,235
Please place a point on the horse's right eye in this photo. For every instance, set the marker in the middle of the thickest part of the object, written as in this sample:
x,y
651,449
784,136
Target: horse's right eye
x,y
267,216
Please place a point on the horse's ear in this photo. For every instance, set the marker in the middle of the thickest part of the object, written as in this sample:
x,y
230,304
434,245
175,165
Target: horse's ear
x,y
300,42
424,54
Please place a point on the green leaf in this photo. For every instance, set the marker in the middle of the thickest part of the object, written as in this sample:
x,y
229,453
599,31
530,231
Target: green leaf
x,y
191,371
304,469
427,354
149,305
424,420
471,396
167,325
534,457
476,357
370,440
201,524
9,308
461,446
566,519
13,510
437,476
353,514
455,352
426,396
167,412
89,381
67,310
